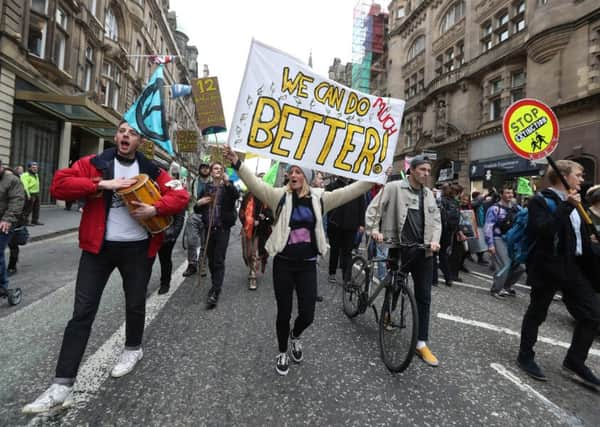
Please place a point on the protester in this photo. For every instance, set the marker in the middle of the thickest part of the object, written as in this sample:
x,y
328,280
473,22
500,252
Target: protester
x,y
593,198
31,183
561,259
165,252
450,217
498,220
405,212
343,223
217,207
195,233
298,238
478,246
319,182
15,240
19,171
12,200
110,237
256,219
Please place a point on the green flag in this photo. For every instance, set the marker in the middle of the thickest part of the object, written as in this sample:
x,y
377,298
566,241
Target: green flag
x,y
271,174
523,187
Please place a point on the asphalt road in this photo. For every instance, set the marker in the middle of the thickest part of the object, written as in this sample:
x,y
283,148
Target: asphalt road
x,y
217,367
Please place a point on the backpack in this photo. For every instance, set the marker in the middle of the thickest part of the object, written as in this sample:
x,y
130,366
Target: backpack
x,y
508,221
517,241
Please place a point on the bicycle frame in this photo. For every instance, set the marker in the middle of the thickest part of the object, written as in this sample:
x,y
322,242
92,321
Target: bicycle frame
x,y
389,281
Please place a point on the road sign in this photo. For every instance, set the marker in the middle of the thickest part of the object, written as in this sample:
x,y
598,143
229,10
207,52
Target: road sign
x,y
530,129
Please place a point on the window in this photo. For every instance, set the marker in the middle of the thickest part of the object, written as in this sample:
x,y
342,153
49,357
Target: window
x,y
94,7
417,47
449,60
40,6
408,131
439,65
111,86
518,19
486,36
60,39
38,28
415,84
452,16
495,108
88,73
542,2
517,94
460,53
137,57
111,27
502,27
496,86
518,78
400,13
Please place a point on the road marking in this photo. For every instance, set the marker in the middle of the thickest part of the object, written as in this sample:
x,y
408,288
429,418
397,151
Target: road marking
x,y
507,331
95,370
556,410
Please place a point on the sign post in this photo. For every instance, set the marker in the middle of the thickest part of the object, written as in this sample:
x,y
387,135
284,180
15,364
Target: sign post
x,y
531,131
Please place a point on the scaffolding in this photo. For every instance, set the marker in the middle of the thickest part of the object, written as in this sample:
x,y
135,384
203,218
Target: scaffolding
x,y
367,42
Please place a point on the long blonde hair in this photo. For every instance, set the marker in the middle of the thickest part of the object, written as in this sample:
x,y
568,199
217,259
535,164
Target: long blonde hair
x,y
304,191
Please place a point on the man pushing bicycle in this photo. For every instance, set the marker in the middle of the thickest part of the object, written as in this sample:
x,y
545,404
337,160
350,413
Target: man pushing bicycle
x,y
406,212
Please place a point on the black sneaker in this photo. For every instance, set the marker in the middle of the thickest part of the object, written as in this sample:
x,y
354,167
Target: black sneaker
x,y
501,294
283,364
583,375
213,298
531,368
319,298
296,351
163,289
191,269
511,292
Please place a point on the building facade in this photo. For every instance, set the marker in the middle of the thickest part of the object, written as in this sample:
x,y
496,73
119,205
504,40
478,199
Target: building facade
x,y
460,63
70,69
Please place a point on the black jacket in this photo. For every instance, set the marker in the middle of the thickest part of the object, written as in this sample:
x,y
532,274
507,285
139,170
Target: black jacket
x,y
227,200
552,261
349,216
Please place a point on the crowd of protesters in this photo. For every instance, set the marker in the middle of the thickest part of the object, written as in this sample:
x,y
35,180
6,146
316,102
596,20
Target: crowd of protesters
x,y
297,223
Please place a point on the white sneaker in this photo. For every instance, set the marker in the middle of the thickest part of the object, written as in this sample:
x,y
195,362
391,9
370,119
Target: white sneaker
x,y
126,363
56,395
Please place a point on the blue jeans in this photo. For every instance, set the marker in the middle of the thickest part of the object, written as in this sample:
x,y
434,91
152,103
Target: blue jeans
x,y
4,239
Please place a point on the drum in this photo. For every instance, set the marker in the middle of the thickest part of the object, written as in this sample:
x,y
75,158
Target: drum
x,y
145,191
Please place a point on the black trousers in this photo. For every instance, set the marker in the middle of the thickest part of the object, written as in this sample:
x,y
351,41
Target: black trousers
x,y
446,244
216,251
166,263
581,301
420,268
32,206
13,258
131,259
287,276
341,243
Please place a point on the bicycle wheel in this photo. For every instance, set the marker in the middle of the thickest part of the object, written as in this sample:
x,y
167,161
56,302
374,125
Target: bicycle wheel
x,y
398,325
354,288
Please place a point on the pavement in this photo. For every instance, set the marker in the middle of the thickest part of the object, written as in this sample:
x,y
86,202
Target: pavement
x,y
216,367
57,221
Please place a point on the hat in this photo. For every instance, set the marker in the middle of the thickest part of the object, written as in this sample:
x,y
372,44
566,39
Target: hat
x,y
309,174
31,163
418,161
593,194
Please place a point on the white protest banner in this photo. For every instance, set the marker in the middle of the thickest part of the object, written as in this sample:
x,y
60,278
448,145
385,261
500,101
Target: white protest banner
x,y
287,112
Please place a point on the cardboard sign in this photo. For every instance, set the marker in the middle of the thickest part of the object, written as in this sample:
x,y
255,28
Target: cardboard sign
x,y
147,149
530,129
187,141
287,112
209,107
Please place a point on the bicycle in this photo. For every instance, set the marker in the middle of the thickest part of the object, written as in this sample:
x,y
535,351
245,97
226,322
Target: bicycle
x,y
398,318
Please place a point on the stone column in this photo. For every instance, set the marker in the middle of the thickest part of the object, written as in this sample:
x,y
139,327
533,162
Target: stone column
x,y
64,150
7,101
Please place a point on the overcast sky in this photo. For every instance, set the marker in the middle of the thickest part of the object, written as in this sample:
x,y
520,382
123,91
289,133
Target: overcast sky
x,y
222,31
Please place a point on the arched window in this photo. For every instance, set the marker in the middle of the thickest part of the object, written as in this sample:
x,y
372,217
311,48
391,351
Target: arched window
x,y
111,27
452,16
416,47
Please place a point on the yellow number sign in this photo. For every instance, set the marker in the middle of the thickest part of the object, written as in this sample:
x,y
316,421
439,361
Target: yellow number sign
x,y
530,129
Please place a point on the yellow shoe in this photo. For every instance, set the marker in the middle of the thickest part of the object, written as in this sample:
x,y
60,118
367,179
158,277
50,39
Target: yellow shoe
x,y
427,356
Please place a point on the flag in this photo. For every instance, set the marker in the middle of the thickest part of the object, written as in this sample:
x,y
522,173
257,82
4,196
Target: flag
x,y
524,187
147,114
161,59
271,174
178,90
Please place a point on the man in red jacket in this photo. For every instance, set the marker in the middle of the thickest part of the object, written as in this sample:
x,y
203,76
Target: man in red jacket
x,y
110,237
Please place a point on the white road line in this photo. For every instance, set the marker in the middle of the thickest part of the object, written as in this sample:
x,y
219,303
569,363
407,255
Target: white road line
x,y
556,410
506,331
467,285
95,370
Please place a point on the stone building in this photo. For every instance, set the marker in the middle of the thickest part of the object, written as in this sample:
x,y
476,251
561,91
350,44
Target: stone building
x,y
460,63
70,69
